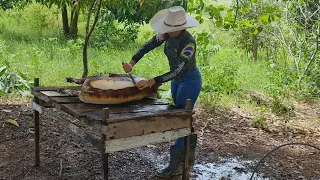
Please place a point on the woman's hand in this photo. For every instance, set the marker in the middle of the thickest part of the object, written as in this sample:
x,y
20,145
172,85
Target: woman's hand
x,y
127,67
145,84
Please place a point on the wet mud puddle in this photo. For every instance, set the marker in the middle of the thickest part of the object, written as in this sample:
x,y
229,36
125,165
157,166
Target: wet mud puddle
x,y
227,169
224,169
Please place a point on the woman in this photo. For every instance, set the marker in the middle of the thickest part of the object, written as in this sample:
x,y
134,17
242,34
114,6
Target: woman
x,y
180,49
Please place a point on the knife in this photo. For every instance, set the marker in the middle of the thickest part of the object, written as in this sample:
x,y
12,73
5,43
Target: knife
x,y
130,75
134,82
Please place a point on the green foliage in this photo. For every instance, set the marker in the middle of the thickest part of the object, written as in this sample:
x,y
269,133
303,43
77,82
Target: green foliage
x,y
206,46
222,79
9,4
165,95
111,33
226,70
11,81
280,89
32,22
258,122
141,11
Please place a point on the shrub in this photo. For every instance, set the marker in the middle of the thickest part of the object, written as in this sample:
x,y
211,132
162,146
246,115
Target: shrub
x,y
11,81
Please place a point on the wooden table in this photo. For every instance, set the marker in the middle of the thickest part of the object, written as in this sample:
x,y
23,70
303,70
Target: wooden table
x,y
124,126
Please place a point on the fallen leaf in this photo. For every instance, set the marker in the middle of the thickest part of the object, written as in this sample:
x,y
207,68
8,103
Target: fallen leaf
x,y
13,122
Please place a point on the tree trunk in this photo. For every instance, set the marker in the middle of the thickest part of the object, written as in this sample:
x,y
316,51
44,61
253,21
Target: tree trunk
x,y
88,34
185,5
65,23
255,47
85,57
74,20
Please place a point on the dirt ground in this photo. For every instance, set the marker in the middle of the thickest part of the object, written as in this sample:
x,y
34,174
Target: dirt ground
x,y
222,136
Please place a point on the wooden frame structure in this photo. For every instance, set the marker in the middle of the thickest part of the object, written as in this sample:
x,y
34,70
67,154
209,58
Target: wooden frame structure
x,y
121,127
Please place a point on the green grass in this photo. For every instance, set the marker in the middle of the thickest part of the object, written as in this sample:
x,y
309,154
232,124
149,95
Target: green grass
x,y
39,50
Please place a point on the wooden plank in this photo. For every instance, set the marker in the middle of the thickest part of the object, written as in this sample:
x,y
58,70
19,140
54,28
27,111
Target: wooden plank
x,y
82,133
40,96
57,94
44,104
55,88
65,100
36,119
147,125
35,106
186,166
80,109
105,159
138,141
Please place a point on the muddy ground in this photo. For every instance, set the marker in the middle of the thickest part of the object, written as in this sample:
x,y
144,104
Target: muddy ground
x,y
229,148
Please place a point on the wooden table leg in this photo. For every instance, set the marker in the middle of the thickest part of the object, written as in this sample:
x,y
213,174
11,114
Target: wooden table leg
x,y
36,128
186,166
105,166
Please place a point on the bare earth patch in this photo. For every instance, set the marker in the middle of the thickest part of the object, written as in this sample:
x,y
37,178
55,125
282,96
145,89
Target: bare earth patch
x,y
223,139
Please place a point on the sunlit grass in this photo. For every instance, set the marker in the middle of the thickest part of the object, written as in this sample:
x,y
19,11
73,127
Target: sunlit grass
x,y
41,51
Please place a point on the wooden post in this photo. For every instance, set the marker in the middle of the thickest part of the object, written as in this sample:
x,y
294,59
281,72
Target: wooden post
x,y
105,168
36,127
186,167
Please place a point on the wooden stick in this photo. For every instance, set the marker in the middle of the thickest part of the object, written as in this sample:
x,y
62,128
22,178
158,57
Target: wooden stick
x,y
186,167
105,168
36,127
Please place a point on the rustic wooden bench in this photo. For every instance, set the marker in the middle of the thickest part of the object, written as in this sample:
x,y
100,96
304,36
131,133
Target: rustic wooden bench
x,y
124,126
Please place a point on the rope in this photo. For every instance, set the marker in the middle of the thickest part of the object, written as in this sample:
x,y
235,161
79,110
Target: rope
x,y
288,144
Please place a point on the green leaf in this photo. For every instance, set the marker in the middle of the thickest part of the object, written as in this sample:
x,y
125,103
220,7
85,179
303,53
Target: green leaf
x,y
256,31
2,70
219,23
264,19
221,8
201,21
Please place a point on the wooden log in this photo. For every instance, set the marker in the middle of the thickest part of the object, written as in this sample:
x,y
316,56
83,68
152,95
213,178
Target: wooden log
x,y
138,141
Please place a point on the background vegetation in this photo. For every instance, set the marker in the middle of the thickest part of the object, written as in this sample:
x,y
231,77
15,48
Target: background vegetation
x,y
258,55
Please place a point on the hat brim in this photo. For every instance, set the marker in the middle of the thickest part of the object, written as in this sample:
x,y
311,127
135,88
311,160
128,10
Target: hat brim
x,y
157,23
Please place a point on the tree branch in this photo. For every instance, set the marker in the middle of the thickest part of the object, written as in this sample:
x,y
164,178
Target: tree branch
x,y
89,16
96,18
282,39
313,57
235,16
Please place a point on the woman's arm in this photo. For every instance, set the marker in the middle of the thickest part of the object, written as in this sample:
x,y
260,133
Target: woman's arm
x,y
186,55
128,66
154,42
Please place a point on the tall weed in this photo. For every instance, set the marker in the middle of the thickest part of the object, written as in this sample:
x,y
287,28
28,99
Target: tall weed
x,y
281,89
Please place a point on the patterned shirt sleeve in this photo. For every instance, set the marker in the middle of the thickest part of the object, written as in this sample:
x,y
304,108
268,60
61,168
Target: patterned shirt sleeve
x,y
185,56
154,42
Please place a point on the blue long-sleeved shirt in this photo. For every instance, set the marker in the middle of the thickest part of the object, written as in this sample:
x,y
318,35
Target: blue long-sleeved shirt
x,y
180,51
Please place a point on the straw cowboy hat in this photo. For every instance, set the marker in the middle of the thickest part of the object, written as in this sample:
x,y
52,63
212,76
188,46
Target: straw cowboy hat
x,y
172,19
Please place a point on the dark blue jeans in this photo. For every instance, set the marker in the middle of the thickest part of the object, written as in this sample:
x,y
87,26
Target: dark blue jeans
x,y
188,87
